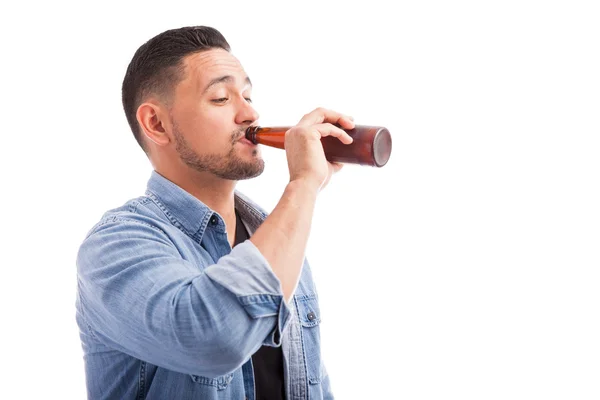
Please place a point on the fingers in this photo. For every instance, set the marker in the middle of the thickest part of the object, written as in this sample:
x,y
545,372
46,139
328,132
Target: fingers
x,y
346,122
332,130
321,115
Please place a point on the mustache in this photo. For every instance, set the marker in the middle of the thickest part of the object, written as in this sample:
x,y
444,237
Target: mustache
x,y
238,134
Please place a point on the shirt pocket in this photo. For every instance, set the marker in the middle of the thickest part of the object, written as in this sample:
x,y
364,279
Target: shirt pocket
x,y
219,383
309,316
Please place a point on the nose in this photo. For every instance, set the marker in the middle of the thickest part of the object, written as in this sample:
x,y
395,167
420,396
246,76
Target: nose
x,y
246,113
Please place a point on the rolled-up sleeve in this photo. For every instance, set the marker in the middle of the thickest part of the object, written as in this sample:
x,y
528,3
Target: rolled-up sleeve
x,y
247,274
140,296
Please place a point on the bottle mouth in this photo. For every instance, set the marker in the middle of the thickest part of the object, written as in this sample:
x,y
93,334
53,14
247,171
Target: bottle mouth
x,y
382,147
251,133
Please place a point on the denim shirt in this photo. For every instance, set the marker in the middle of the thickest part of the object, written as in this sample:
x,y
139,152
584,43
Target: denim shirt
x,y
166,308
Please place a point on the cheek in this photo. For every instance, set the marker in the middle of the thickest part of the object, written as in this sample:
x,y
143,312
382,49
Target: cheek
x,y
207,133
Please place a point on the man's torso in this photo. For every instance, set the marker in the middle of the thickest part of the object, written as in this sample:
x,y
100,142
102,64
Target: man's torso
x,y
114,374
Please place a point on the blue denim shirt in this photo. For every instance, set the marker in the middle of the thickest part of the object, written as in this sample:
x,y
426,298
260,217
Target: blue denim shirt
x,y
168,310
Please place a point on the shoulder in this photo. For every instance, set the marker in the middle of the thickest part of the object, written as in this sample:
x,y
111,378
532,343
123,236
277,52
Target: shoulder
x,y
134,214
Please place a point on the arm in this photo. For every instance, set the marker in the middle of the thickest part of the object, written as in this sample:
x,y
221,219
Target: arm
x,y
283,236
143,299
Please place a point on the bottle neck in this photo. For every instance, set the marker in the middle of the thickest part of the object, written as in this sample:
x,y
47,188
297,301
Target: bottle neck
x,y
273,136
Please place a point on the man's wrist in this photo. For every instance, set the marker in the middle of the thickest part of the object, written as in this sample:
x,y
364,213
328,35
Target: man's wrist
x,y
305,185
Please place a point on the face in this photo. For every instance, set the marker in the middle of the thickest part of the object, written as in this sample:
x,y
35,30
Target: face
x,y
210,112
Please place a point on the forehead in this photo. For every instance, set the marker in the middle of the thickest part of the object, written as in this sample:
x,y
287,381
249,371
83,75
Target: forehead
x,y
203,67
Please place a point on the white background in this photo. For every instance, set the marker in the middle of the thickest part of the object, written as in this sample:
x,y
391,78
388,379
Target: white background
x,y
466,268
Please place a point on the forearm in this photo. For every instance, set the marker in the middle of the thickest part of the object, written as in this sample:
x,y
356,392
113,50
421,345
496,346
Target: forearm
x,y
283,236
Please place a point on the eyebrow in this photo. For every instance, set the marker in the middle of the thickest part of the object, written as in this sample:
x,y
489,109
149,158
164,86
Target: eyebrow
x,y
223,79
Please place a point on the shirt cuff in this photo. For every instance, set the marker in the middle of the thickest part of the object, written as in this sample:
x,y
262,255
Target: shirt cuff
x,y
246,273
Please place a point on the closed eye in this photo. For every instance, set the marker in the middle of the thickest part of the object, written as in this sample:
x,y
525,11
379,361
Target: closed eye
x,y
221,100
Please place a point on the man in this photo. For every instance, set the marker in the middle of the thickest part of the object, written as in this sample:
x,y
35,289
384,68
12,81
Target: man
x,y
191,291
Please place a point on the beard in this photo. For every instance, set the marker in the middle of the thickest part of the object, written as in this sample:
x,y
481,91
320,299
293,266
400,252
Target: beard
x,y
229,166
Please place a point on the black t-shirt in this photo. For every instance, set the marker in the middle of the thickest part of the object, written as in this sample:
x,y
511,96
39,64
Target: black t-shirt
x,y
267,361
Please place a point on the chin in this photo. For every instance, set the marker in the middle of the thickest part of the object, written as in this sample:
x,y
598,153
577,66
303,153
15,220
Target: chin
x,y
250,154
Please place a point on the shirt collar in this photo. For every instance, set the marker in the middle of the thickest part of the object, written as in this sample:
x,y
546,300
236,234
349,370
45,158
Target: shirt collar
x,y
187,212
183,210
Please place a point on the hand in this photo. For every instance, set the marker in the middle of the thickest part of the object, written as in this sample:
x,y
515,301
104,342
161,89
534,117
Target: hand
x,y
306,159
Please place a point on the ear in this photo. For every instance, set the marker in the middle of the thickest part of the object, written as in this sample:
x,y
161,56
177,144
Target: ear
x,y
153,120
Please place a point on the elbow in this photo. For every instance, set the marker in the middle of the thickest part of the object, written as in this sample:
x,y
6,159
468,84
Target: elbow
x,y
223,358
230,354
216,357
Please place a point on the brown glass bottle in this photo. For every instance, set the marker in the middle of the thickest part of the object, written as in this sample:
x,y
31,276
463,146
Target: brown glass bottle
x,y
372,145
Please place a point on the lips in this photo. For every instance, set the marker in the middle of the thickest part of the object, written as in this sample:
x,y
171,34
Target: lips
x,y
242,138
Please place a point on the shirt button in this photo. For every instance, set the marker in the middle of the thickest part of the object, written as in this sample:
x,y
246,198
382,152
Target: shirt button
x,y
311,316
213,220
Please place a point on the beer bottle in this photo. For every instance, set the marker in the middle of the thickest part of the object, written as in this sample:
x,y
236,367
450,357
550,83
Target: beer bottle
x,y
372,145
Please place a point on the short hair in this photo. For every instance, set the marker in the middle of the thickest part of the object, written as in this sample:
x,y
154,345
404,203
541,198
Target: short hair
x,y
157,67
